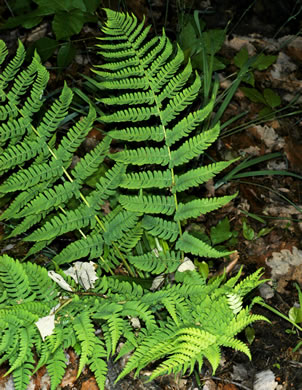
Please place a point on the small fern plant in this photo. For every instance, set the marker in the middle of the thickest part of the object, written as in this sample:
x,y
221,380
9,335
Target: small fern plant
x,y
45,197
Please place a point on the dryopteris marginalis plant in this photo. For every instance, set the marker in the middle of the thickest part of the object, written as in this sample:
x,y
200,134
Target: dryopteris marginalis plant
x,y
199,319
153,91
188,320
156,94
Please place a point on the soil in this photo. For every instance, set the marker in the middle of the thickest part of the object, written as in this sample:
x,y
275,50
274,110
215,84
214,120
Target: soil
x,y
270,201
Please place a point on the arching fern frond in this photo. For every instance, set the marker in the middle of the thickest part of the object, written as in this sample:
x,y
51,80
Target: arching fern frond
x,y
161,91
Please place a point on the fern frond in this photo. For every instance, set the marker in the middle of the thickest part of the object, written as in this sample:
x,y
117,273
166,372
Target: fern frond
x,y
51,198
181,101
55,114
13,66
97,365
130,98
213,354
115,326
25,345
23,374
22,200
197,207
167,71
34,101
40,283
249,283
33,175
75,136
91,161
12,129
3,51
23,82
140,310
236,344
27,223
131,238
106,186
131,114
186,125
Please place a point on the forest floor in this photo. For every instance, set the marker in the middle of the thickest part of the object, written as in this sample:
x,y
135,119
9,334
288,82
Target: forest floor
x,y
265,220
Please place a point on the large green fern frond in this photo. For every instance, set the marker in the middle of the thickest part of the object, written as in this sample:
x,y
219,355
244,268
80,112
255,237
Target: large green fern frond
x,y
150,88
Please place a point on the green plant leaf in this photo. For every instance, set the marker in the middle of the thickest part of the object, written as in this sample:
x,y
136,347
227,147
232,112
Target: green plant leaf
x,y
91,5
45,47
241,57
55,6
249,334
221,232
271,98
249,78
212,40
65,24
247,230
66,55
263,61
295,314
253,94
187,38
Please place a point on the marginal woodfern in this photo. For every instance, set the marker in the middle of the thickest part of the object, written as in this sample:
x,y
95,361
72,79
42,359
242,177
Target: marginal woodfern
x,y
152,90
40,317
133,219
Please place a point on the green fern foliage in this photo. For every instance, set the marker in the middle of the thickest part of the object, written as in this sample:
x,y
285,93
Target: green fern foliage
x,y
200,319
131,214
36,171
149,87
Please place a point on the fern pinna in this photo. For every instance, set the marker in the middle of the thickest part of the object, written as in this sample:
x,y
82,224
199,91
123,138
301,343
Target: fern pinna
x,y
152,92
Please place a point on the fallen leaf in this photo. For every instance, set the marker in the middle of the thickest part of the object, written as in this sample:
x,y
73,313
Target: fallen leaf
x,y
59,280
46,325
83,273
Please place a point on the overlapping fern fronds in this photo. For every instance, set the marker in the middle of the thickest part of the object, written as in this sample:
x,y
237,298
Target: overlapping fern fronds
x,y
200,320
153,92
35,167
180,324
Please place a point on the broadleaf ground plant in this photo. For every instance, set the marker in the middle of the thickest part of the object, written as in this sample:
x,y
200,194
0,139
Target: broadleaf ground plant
x,y
147,91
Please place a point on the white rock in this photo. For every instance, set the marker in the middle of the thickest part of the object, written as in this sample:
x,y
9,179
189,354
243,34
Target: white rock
x,y
266,291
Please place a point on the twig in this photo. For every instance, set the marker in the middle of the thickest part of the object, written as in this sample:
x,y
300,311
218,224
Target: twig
x,y
231,382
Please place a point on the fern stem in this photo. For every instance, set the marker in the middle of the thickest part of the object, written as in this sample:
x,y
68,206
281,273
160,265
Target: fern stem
x,y
159,114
